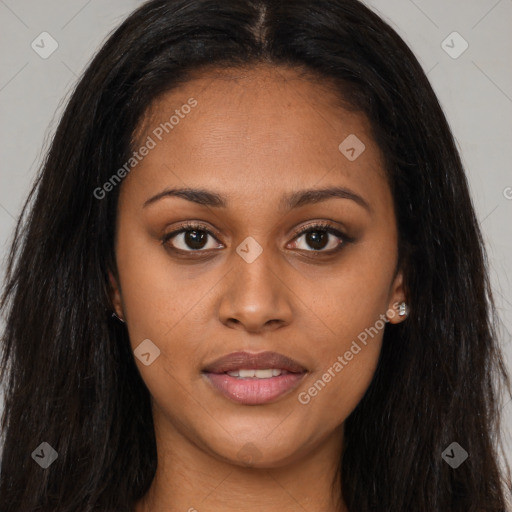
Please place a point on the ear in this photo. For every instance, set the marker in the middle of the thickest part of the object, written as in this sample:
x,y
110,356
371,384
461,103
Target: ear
x,y
115,296
396,298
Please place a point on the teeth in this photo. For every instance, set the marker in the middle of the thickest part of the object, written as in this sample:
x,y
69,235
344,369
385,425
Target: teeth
x,y
246,373
259,374
263,374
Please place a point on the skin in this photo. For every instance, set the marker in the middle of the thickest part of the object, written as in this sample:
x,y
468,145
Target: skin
x,y
254,137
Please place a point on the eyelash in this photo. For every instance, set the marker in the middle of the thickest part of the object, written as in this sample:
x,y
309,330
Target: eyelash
x,y
320,226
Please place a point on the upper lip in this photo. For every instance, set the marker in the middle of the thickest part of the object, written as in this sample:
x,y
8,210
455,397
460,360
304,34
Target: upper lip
x,y
247,361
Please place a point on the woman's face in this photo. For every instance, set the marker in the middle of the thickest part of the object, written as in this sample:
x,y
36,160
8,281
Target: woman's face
x,y
258,144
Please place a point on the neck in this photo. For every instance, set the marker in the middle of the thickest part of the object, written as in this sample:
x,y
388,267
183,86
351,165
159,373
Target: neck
x,y
188,478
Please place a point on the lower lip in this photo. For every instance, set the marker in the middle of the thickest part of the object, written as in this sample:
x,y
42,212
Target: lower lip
x,y
254,391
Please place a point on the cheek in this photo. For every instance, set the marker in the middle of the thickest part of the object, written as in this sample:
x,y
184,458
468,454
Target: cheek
x,y
157,296
164,303
347,346
348,364
353,297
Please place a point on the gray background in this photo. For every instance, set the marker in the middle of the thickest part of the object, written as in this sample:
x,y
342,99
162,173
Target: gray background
x,y
475,90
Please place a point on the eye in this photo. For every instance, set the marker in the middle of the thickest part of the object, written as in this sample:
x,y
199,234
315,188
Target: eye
x,y
194,238
190,238
317,237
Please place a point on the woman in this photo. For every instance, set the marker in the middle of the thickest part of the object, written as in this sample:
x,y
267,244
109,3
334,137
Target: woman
x,y
250,277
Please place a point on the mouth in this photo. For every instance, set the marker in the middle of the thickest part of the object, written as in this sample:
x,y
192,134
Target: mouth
x,y
254,379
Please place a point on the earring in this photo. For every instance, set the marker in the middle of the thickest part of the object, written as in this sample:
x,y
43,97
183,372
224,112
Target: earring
x,y
402,310
114,315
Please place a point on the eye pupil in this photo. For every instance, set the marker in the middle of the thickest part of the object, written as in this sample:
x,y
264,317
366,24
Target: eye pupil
x,y
315,238
195,239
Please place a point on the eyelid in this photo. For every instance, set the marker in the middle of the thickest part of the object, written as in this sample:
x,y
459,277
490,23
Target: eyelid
x,y
319,225
328,228
322,226
190,226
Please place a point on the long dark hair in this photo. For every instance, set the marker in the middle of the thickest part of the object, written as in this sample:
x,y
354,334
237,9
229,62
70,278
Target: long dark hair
x,y
69,374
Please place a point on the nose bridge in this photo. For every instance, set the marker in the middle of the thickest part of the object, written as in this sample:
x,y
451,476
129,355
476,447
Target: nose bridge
x,y
255,294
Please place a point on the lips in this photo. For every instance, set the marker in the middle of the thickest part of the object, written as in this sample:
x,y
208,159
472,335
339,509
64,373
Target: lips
x,y
254,379
261,361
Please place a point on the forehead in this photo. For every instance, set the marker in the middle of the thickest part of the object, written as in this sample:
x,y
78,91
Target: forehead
x,y
258,129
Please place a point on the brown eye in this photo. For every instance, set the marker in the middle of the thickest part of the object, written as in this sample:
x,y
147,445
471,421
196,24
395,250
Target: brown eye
x,y
190,238
318,237
321,238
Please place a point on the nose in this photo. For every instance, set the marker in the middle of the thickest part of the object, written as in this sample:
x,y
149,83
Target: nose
x,y
255,297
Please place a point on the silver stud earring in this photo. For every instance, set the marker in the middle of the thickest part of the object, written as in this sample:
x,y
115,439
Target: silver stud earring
x,y
402,310
114,315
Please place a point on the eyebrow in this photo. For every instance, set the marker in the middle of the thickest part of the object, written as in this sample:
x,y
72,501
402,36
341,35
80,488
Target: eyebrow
x,y
294,200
